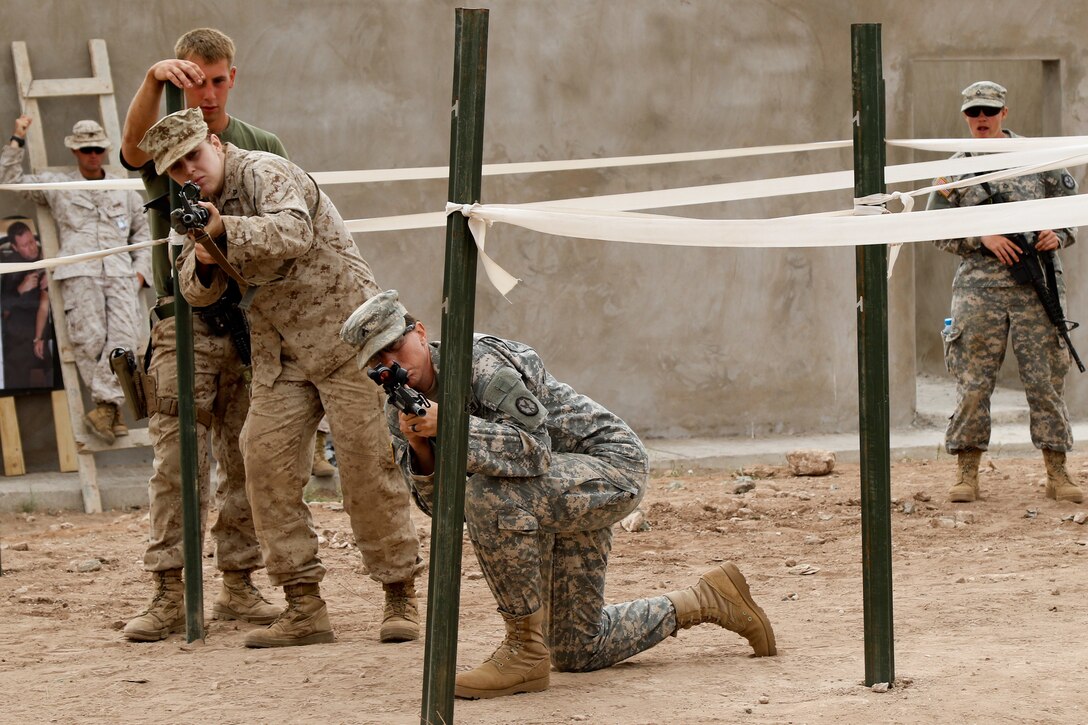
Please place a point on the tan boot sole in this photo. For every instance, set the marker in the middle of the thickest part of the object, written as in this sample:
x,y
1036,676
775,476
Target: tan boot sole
x,y
225,613
154,635
399,633
315,638
471,693
1052,493
741,584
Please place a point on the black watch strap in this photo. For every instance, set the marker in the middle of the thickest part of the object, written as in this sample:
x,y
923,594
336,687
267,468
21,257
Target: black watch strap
x,y
18,140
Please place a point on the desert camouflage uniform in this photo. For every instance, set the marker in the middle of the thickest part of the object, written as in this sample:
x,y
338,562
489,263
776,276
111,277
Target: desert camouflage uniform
x,y
221,396
101,295
284,234
987,307
550,472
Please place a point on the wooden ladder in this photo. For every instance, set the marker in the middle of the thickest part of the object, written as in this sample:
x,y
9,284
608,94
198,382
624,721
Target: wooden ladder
x,y
76,448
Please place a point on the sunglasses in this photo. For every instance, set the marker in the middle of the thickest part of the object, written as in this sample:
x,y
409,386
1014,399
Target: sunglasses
x,y
987,111
92,150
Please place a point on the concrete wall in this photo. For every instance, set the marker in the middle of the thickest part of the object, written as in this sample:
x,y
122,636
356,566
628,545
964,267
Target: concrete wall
x,y
679,342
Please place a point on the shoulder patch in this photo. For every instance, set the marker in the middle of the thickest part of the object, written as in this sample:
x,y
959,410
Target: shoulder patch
x,y
527,405
507,393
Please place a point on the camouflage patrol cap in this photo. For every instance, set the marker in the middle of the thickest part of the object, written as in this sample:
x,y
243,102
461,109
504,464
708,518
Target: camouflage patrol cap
x,y
376,323
173,137
983,93
87,134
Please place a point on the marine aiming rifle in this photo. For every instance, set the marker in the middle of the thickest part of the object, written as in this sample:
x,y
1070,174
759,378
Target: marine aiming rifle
x,y
394,379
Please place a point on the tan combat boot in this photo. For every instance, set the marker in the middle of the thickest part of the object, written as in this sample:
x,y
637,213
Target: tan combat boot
x,y
304,621
400,619
966,488
100,421
1058,484
239,599
165,614
321,467
119,428
520,664
722,597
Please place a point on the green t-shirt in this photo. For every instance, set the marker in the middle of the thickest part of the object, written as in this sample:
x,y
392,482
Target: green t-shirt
x,y
239,133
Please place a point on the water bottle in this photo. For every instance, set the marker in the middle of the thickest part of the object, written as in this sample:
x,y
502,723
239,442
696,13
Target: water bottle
x,y
947,326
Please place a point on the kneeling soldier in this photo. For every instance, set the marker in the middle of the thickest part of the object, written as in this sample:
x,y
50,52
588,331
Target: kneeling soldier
x,y
543,462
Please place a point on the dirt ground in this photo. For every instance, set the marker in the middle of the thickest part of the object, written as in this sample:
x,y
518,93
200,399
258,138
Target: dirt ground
x,y
990,608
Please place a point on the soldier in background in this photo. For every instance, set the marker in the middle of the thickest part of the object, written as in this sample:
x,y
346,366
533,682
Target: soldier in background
x,y
101,296
204,69
989,306
277,231
542,459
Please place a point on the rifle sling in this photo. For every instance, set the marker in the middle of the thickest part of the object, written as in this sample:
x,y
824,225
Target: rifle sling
x,y
220,259
249,290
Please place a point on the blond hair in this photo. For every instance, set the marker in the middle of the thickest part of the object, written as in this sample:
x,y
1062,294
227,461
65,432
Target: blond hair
x,y
208,44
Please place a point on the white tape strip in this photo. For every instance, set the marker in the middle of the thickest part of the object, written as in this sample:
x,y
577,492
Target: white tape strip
x,y
327,178
766,188
808,230
52,262
503,280
989,145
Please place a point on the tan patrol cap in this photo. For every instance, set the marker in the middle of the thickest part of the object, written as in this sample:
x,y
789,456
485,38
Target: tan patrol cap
x,y
376,323
983,93
173,137
87,134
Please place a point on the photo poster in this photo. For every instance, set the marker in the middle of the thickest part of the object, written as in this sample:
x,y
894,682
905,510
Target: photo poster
x,y
28,347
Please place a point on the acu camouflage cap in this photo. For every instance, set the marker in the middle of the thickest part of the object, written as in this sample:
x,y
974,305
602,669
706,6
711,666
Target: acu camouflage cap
x,y
87,134
983,93
173,137
375,324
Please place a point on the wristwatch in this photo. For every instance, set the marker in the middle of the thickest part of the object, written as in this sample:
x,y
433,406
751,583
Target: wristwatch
x,y
19,140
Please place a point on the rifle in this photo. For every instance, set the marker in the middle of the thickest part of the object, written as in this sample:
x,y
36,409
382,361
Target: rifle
x,y
1028,269
189,215
394,379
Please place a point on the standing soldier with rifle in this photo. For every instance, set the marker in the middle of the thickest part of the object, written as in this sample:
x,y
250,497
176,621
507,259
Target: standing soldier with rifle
x,y
1007,285
270,227
204,70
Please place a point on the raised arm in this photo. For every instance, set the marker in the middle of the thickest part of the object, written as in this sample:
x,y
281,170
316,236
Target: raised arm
x,y
143,112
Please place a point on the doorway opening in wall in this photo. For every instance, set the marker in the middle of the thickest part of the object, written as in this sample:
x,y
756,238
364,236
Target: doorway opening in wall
x,y
1035,109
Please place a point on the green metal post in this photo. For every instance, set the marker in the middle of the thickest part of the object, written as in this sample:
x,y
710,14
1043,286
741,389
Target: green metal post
x,y
872,288
458,307
190,491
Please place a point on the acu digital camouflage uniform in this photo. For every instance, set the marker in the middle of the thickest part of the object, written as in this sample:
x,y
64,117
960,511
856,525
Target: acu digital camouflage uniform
x,y
549,473
545,460
101,295
284,234
988,306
